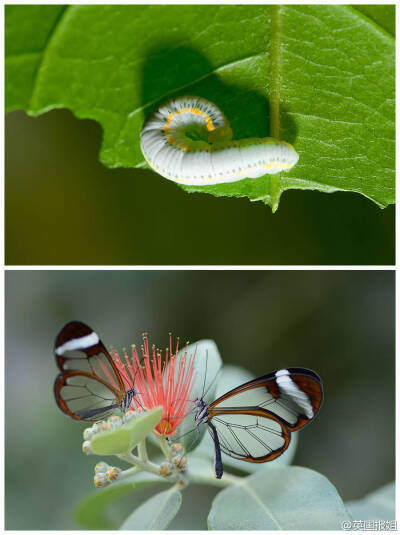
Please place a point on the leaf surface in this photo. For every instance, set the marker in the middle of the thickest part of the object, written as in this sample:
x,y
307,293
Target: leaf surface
x,y
156,513
125,438
318,76
93,512
379,505
282,498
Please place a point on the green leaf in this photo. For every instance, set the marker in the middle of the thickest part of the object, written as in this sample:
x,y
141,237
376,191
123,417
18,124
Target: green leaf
x,y
27,33
382,15
379,505
283,498
323,75
125,438
93,512
207,365
156,513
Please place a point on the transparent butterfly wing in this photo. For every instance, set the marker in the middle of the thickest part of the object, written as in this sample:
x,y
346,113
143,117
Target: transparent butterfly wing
x,y
294,395
251,437
254,421
84,397
89,386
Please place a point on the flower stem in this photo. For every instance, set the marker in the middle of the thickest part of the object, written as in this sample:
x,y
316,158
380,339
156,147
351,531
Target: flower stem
x,y
164,447
130,472
146,466
142,451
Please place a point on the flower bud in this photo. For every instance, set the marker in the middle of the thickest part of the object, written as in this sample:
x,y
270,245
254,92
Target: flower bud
x,y
165,469
101,468
179,461
129,415
107,426
112,473
100,480
86,447
97,427
177,447
88,433
115,421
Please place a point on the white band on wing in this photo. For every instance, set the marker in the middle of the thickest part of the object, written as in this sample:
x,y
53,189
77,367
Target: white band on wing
x,y
78,343
290,388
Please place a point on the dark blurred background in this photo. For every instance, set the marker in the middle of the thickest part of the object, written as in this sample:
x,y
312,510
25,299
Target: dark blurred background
x,y
64,207
339,323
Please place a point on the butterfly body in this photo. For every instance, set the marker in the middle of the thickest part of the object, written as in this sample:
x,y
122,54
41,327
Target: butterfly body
x,y
128,398
202,411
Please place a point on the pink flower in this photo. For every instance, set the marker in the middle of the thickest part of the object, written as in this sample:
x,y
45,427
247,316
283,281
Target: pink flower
x,y
158,383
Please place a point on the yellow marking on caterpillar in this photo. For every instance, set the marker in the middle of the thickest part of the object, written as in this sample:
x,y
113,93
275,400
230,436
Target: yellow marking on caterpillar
x,y
287,144
171,140
195,111
209,124
280,165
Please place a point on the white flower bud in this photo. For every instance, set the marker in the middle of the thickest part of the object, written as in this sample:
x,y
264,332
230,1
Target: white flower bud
x,y
97,427
113,473
176,448
165,469
129,415
88,433
180,462
86,447
115,421
100,480
101,468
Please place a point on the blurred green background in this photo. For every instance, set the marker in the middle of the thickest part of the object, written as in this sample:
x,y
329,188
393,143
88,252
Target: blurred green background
x,y
339,323
64,207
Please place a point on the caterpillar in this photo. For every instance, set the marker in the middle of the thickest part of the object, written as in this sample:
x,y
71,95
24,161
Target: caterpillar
x,y
189,140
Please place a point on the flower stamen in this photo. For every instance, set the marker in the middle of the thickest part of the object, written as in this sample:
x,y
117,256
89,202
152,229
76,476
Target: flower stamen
x,y
157,382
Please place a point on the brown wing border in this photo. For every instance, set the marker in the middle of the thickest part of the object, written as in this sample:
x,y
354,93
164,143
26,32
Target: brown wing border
x,y
262,413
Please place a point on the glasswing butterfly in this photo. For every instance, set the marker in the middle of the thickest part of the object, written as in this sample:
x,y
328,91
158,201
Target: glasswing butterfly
x,y
89,386
254,421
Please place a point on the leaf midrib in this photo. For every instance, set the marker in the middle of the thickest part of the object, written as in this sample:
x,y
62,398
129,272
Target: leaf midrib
x,y
254,495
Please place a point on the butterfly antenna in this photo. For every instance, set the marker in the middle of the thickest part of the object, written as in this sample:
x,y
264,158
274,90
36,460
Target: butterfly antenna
x,y
212,382
205,376
138,402
176,439
196,437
